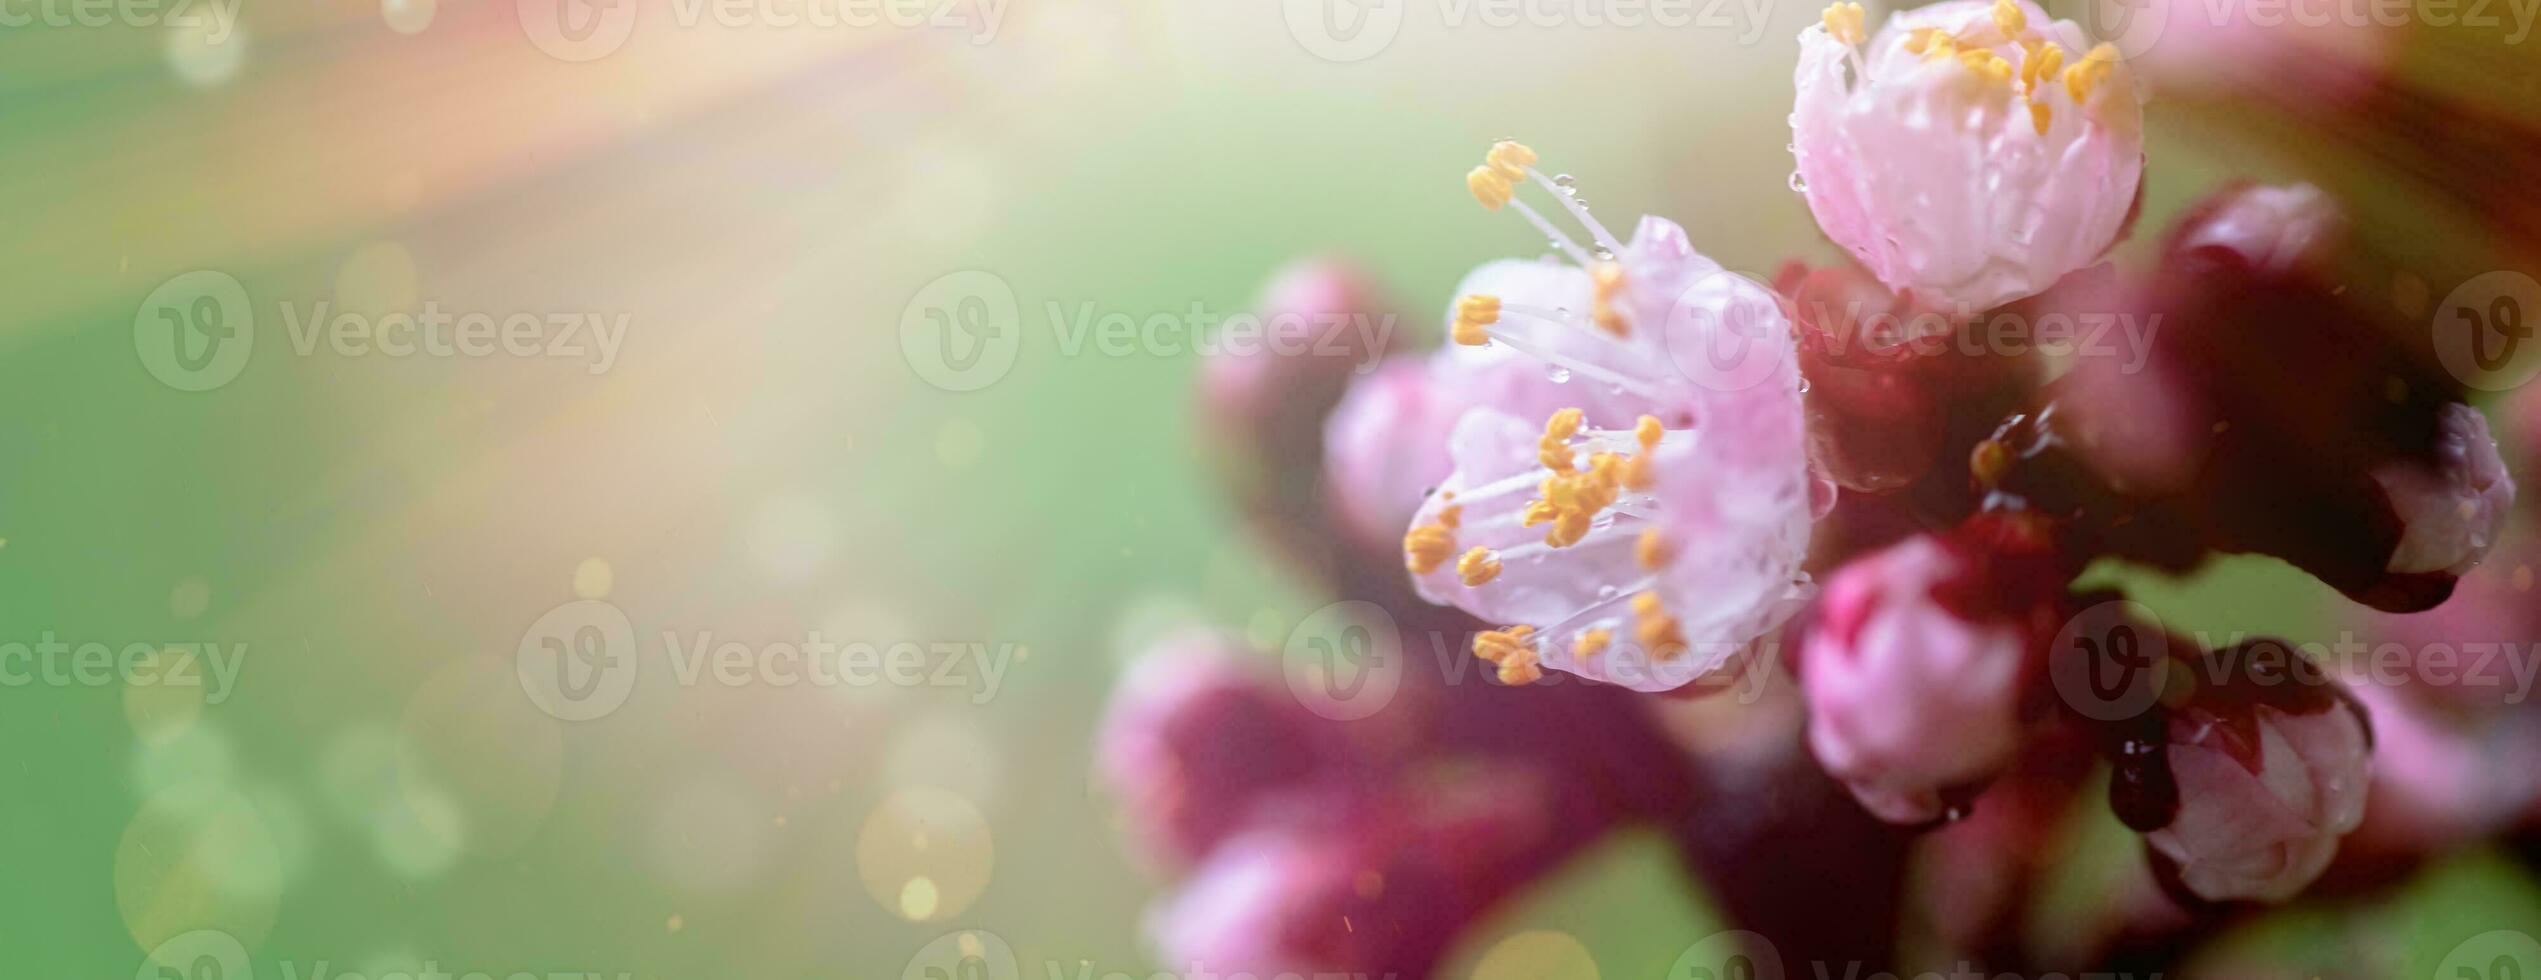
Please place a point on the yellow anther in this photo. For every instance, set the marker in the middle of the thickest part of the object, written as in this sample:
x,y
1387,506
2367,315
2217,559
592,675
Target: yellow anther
x,y
1936,46
1591,643
1451,515
2043,62
1489,188
2084,76
2008,16
1843,22
1478,566
1647,431
1568,528
1654,628
1496,646
1537,512
1473,313
1509,159
1651,552
1554,449
1426,546
1919,40
1608,278
1987,64
2038,113
1521,668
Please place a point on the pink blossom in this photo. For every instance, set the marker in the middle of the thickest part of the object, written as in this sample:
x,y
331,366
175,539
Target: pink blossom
x,y
1972,151
1909,695
1640,508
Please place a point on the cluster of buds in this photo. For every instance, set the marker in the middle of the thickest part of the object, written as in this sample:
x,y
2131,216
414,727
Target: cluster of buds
x,y
1633,467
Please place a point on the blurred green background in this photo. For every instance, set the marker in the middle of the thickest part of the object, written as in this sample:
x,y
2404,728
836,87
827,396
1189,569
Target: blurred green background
x,y
760,205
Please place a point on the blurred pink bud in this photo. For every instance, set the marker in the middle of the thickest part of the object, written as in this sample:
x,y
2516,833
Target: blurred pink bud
x,y
2200,49
2258,227
2449,647
1317,318
1914,678
2453,505
1922,151
1371,886
2444,779
2266,770
1195,739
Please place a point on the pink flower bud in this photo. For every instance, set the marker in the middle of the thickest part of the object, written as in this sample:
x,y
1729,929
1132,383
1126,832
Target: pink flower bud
x,y
1194,740
1379,885
2450,506
2265,771
1914,684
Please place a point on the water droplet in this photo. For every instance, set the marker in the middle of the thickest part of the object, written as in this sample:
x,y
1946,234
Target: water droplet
x,y
1608,591
1564,180
1799,183
1581,201
1557,374
1804,386
1602,253
1614,389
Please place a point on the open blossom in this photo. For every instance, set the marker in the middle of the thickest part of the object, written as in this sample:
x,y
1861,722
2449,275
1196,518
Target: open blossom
x,y
2262,775
1975,152
1653,522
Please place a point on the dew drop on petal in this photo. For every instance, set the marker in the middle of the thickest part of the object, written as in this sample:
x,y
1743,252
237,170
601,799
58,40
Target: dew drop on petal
x,y
1799,183
1557,374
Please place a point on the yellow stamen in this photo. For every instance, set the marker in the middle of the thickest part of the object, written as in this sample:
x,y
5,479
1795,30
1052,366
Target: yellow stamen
x,y
1489,188
1843,22
2038,113
1477,566
1640,472
2008,16
2086,75
1494,646
1512,650
1591,643
1654,628
1650,551
1426,546
1608,278
1509,159
1986,63
1554,449
1472,314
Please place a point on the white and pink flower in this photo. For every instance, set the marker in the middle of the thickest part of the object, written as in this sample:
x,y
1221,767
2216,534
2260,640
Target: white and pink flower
x,y
1632,488
1973,152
